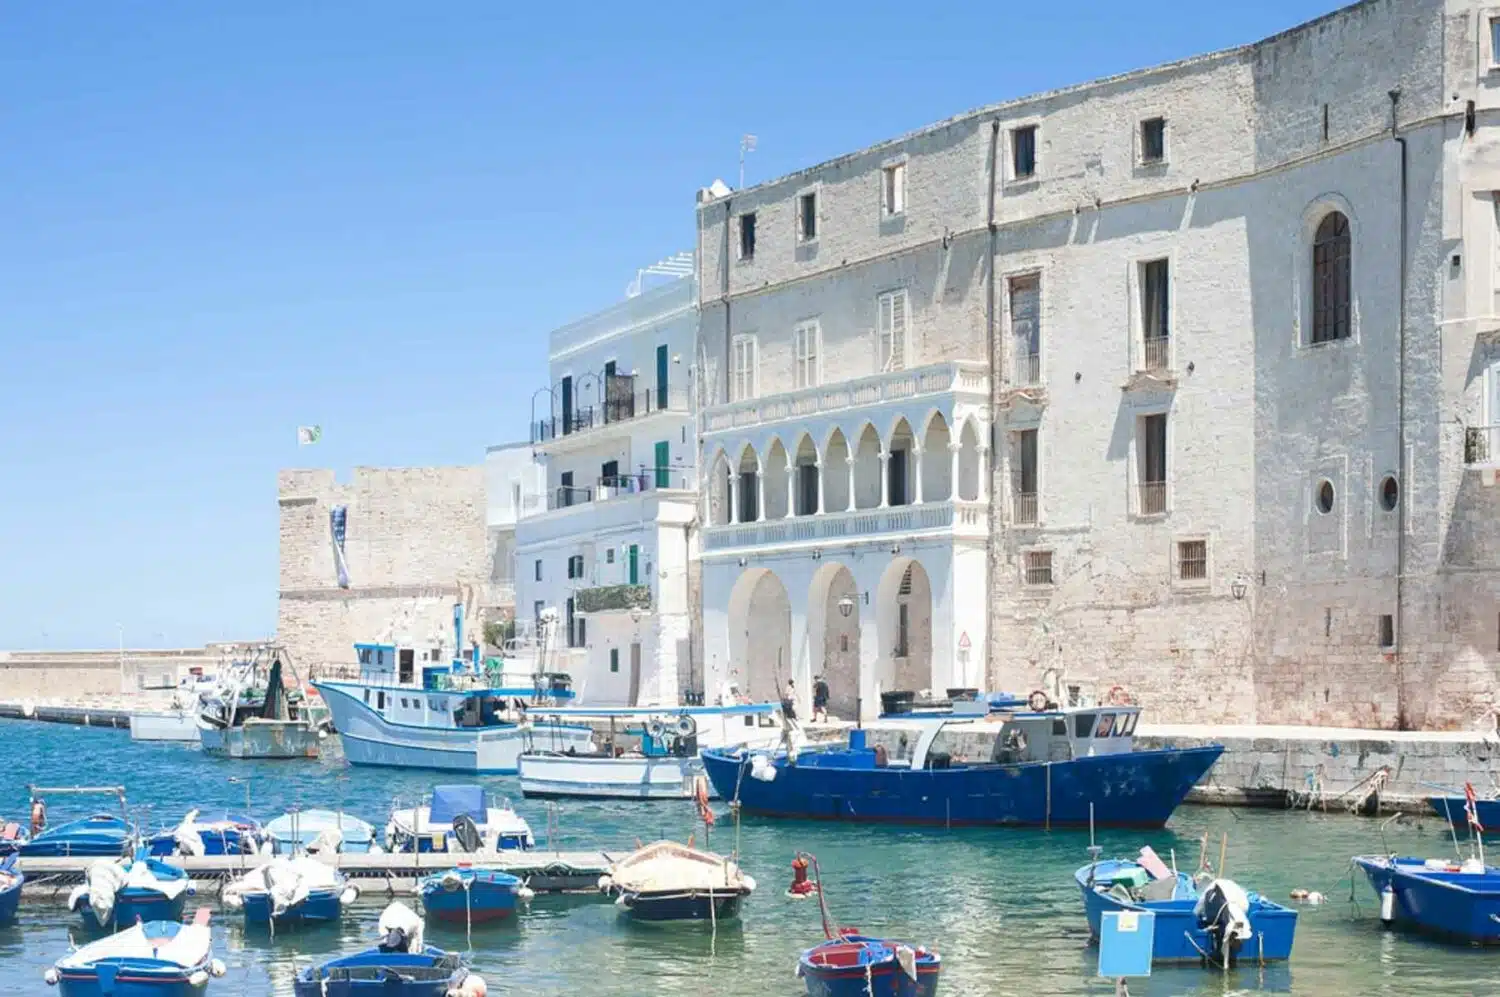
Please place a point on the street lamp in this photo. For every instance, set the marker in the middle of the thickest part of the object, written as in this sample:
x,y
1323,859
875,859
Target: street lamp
x,y
846,606
1238,587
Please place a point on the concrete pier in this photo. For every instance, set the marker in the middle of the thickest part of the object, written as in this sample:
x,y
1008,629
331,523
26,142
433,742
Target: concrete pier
x,y
83,716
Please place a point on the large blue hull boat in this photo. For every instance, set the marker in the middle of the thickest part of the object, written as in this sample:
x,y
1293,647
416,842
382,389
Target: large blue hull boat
x,y
11,881
373,973
470,896
1448,899
155,959
1454,809
855,966
102,835
1174,899
1058,768
156,892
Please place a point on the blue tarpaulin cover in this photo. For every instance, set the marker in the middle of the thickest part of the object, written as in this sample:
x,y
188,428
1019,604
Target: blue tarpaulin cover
x,y
450,801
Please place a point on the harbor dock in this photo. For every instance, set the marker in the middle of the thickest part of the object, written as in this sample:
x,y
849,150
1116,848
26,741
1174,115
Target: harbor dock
x,y
378,876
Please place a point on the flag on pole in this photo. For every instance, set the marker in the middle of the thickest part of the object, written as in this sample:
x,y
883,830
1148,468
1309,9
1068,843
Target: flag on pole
x,y
308,434
1471,807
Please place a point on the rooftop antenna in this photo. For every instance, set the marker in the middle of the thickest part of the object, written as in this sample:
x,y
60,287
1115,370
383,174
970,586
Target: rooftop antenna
x,y
674,266
747,145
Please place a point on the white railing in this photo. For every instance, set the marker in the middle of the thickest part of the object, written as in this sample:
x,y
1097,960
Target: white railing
x,y
959,377
961,517
1156,353
623,510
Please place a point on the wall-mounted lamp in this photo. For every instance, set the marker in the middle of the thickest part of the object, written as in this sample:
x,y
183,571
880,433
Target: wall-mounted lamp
x,y
817,555
1238,587
846,606
895,548
743,562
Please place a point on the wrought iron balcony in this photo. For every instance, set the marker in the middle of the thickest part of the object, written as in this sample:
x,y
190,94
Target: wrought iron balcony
x,y
1023,508
1156,353
1482,446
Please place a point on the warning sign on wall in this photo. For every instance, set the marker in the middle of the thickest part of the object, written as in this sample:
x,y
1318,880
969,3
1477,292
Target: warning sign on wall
x,y
963,641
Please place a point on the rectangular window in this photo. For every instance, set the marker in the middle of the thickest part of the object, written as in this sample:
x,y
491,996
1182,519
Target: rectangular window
x,y
742,362
749,506
747,236
565,486
572,623
1151,457
1023,152
807,216
1026,328
807,489
903,630
805,354
1156,318
1153,140
567,404
1023,476
896,478
1083,724
609,474
663,458
538,569
1039,567
1387,630
609,555
893,189
614,659
1192,560
663,368
380,700
1495,41
891,330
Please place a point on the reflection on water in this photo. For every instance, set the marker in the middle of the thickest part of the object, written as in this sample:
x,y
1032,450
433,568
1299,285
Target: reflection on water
x,y
1000,906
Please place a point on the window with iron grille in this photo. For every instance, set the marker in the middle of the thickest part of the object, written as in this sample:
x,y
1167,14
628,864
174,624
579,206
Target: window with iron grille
x,y
1038,567
1192,560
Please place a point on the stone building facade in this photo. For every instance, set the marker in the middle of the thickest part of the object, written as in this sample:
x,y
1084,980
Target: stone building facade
x,y
1233,323
415,546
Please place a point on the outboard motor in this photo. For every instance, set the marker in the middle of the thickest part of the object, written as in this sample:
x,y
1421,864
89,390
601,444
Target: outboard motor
x,y
400,929
467,833
1223,911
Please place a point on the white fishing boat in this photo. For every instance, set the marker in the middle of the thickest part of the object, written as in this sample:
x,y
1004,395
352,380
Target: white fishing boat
x,y
654,757
179,720
425,707
457,819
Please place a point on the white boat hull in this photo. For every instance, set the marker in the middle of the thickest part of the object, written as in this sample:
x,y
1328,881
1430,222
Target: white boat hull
x,y
628,778
175,726
370,739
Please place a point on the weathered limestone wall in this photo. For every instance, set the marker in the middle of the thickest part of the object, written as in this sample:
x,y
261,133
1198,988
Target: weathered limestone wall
x,y
416,544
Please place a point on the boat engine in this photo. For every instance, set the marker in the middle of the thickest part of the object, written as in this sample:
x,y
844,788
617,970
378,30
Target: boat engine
x,y
400,929
1223,911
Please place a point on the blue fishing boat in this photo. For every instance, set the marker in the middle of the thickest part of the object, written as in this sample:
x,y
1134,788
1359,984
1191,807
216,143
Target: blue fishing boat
x,y
853,965
1454,809
458,819
11,881
12,836
99,834
150,959
1458,900
1217,924
1047,768
465,895
666,881
119,893
290,891
400,966
217,834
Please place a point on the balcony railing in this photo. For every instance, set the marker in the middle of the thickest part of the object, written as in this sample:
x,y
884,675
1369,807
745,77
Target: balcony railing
x,y
968,518
1028,370
960,377
1156,353
617,407
1482,446
1153,501
647,479
1023,508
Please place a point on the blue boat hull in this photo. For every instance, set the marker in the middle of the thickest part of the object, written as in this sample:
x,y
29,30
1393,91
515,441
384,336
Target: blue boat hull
x,y
882,981
480,902
136,905
376,974
93,837
1134,789
320,906
1451,808
214,843
1454,905
10,901
677,907
1179,939
128,984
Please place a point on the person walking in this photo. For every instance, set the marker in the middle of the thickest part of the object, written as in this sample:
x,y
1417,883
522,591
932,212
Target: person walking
x,y
789,700
820,700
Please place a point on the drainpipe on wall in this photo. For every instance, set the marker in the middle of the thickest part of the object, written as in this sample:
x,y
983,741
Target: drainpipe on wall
x,y
1402,722
995,374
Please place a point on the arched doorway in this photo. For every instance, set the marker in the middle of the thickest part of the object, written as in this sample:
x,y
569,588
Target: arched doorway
x,y
760,635
833,635
904,622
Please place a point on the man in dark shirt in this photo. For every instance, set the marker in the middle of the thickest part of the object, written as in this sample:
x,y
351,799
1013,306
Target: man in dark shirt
x,y
820,700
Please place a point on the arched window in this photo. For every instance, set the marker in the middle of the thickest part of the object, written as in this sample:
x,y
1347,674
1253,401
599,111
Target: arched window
x,y
1330,319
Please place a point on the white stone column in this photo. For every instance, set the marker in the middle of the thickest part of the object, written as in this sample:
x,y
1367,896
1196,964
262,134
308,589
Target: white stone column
x,y
760,492
818,509
954,451
984,474
850,505
791,490
885,479
734,498
916,475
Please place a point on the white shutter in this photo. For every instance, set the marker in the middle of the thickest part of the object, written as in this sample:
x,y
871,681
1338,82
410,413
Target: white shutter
x,y
742,368
892,308
805,355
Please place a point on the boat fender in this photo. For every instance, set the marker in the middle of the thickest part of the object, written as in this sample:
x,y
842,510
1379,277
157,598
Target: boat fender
x,y
217,968
51,976
749,883
472,985
524,893
350,894
605,882
78,898
198,978
1387,904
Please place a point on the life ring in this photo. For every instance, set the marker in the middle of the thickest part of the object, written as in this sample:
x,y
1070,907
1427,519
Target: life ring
x,y
1037,701
686,726
1118,696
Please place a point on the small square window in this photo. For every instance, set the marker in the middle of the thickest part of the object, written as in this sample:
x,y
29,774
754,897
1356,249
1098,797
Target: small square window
x,y
1192,560
1038,567
807,216
893,189
1023,152
1387,631
747,236
538,571
609,556
1153,140
614,659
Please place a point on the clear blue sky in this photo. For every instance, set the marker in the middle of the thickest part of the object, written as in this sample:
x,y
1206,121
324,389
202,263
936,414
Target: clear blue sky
x,y
219,221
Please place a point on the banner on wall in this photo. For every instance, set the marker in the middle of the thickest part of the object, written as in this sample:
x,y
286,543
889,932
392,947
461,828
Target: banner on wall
x,y
338,518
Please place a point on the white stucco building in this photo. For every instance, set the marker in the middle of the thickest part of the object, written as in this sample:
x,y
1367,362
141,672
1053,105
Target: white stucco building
x,y
1185,381
515,484
611,545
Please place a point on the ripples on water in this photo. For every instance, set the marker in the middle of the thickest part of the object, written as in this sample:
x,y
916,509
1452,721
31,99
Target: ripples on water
x,y
1000,906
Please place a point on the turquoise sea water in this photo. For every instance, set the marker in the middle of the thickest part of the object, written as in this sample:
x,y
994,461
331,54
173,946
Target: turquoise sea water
x,y
1000,906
